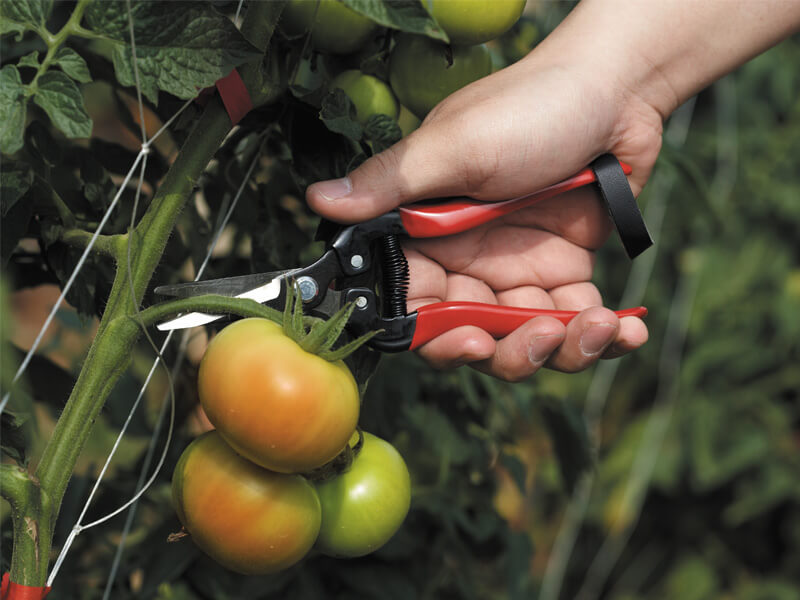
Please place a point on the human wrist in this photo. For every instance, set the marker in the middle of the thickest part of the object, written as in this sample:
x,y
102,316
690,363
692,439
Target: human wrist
x,y
661,53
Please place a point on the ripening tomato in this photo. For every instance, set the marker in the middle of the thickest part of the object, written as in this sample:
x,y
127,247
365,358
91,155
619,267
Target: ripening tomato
x,y
276,404
475,21
363,507
369,94
421,76
248,519
334,27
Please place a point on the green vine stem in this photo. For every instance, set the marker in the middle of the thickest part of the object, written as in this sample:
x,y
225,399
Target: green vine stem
x,y
54,41
210,304
36,499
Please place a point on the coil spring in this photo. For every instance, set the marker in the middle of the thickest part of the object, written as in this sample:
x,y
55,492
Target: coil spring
x,y
395,277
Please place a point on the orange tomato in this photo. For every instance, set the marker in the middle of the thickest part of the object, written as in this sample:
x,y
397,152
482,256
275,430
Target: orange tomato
x,y
248,519
276,404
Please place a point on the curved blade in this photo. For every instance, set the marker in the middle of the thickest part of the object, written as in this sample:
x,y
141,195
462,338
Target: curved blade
x,y
263,293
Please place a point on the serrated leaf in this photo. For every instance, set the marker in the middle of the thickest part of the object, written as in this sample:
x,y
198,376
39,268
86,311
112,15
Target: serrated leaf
x,y
12,110
405,15
383,131
570,440
7,26
61,99
27,14
30,60
73,64
180,46
15,181
339,115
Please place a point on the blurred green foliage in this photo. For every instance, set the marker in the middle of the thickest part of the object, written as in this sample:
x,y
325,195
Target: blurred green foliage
x,y
493,465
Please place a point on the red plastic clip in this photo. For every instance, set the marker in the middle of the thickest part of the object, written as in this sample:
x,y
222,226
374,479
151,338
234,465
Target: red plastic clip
x,y
15,591
234,96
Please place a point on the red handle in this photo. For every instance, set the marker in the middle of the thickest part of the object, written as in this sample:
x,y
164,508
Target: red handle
x,y
460,214
435,319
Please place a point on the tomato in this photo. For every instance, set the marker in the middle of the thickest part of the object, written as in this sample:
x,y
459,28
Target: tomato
x,y
335,28
274,403
369,94
475,21
363,507
248,519
420,75
407,121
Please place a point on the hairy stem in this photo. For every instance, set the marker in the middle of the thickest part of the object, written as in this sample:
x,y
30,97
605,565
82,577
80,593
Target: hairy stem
x,y
210,304
39,502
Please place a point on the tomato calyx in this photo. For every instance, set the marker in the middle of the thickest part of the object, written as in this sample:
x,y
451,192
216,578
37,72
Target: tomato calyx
x,y
320,336
340,464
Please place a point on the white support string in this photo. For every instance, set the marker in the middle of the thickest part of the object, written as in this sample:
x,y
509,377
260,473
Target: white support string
x,y
81,261
238,11
605,372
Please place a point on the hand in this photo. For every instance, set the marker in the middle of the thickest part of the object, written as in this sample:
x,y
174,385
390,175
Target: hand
x,y
512,133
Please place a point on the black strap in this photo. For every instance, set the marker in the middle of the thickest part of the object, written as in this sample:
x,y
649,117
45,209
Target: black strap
x,y
621,205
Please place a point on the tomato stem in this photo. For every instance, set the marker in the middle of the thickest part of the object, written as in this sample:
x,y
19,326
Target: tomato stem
x,y
35,502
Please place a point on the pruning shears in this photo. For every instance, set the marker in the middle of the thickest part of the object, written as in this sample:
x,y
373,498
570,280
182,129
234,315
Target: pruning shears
x,y
364,264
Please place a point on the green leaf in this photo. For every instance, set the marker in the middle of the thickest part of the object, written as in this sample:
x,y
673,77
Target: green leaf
x,y
570,439
72,64
12,110
30,60
339,115
13,227
405,15
15,437
383,131
15,181
17,15
180,46
61,99
7,26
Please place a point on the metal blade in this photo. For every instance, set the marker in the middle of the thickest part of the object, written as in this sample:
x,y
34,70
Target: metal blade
x,y
262,294
227,286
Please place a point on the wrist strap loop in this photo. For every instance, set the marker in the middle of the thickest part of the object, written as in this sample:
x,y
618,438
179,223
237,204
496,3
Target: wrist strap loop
x,y
621,205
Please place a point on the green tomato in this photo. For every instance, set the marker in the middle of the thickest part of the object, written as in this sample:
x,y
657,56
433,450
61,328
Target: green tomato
x,y
407,121
363,507
369,94
334,27
421,77
475,21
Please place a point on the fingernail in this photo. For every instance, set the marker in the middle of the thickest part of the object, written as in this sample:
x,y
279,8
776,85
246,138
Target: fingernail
x,y
334,189
595,339
542,347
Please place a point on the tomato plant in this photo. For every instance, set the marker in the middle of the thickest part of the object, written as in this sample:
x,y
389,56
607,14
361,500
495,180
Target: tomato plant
x,y
363,507
247,518
370,95
475,21
333,26
276,404
422,75
72,160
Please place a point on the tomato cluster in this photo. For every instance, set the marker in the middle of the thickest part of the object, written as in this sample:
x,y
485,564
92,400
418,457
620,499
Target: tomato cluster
x,y
250,492
281,412
422,71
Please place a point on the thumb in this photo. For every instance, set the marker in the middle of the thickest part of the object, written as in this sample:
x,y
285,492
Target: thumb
x,y
417,167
